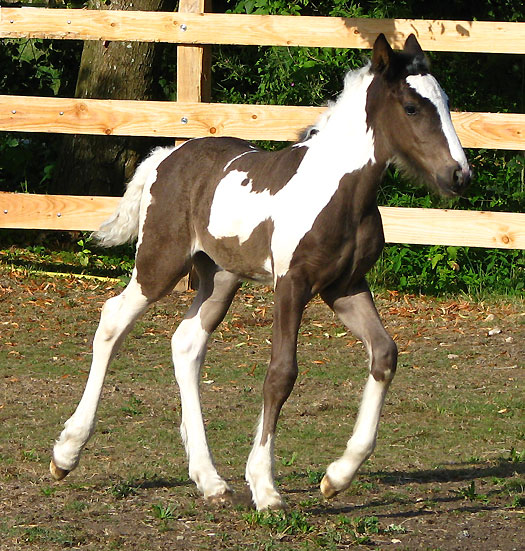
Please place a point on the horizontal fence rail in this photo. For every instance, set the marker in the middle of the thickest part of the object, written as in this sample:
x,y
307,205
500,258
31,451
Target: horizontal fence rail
x,y
252,122
263,30
401,225
197,120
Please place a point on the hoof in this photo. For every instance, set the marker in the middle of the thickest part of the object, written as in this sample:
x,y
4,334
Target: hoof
x,y
281,506
226,498
327,488
273,505
56,472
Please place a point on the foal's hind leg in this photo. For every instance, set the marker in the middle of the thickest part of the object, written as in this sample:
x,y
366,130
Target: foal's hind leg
x,y
117,318
216,291
358,313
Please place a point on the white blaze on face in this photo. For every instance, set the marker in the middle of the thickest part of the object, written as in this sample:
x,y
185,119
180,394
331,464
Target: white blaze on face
x,y
428,87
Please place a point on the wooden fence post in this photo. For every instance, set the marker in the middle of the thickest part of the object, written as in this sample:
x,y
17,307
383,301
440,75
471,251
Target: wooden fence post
x,y
193,85
194,62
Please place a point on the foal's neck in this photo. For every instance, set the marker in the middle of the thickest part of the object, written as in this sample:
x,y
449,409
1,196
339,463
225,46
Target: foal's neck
x,y
343,150
345,139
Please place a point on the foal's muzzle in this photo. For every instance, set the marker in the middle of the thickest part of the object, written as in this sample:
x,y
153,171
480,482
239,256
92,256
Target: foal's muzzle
x,y
454,180
461,179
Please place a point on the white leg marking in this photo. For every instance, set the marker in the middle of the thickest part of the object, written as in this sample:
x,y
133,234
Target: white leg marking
x,y
259,473
363,440
118,315
189,348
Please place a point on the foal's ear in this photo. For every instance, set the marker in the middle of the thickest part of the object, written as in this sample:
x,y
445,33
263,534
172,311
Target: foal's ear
x,y
381,54
419,63
412,46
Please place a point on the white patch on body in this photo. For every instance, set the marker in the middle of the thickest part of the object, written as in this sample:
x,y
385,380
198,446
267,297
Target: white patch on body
x,y
343,145
428,87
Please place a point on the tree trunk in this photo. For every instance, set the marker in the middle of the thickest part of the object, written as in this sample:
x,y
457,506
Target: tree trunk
x,y
100,165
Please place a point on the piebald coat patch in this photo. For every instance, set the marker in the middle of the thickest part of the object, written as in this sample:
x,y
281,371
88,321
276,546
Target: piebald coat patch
x,y
237,209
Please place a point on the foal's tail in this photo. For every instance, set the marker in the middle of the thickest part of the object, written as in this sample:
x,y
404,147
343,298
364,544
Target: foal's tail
x,y
123,224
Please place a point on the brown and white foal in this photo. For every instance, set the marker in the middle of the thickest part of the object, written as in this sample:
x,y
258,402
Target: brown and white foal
x,y
305,219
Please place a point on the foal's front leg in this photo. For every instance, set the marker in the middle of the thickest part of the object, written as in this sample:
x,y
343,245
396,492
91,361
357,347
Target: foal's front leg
x,y
357,311
290,299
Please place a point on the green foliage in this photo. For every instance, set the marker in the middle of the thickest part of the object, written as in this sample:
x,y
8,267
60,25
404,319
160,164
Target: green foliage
x,y
313,76
134,407
280,75
65,253
38,68
84,253
124,489
364,527
280,522
288,462
516,457
356,531
61,536
469,492
164,512
314,476
439,269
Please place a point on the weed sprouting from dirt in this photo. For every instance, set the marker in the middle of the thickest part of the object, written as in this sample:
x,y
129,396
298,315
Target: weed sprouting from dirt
x,y
469,492
123,489
516,457
314,476
163,512
133,407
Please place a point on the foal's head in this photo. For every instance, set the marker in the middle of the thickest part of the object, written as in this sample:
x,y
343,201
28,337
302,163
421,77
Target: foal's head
x,y
409,114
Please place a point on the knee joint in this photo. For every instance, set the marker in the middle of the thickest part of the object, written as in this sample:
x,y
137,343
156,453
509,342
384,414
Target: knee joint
x,y
280,379
384,361
109,318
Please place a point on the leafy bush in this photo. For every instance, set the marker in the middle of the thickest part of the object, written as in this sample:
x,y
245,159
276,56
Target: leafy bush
x,y
38,68
439,269
312,76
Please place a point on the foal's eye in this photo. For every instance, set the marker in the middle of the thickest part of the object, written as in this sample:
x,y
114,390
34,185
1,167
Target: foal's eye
x,y
410,109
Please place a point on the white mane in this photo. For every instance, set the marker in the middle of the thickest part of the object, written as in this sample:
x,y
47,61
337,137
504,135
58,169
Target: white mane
x,y
353,82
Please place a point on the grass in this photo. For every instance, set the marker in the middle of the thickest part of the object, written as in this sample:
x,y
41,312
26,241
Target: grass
x,y
449,446
163,512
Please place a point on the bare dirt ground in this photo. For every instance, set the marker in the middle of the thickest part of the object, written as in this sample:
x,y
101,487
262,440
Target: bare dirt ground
x,y
448,472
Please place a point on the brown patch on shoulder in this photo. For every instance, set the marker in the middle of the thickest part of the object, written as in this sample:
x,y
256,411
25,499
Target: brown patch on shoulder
x,y
270,170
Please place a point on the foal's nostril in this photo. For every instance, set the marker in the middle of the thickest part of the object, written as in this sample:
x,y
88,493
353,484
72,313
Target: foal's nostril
x,y
460,178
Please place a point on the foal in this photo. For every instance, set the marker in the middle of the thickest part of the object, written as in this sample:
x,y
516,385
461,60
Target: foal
x,y
305,219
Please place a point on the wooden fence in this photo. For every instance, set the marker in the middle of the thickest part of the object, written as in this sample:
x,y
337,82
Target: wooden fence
x,y
190,117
